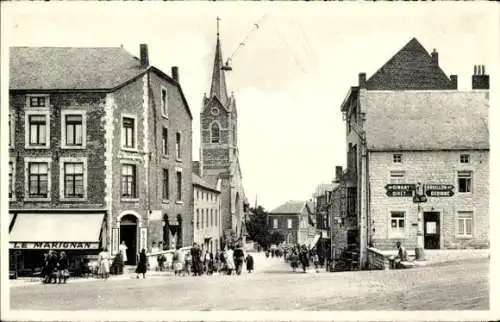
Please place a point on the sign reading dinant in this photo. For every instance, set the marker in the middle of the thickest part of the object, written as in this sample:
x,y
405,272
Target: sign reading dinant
x,y
54,245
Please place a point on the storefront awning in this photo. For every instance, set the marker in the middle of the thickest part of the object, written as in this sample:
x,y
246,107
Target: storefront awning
x,y
56,231
314,240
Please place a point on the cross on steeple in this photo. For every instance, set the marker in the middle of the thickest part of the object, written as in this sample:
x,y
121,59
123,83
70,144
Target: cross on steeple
x,y
218,19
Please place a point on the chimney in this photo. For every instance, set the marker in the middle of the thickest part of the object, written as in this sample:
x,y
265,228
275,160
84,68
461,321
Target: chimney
x,y
175,73
480,80
338,173
362,80
454,81
144,56
435,58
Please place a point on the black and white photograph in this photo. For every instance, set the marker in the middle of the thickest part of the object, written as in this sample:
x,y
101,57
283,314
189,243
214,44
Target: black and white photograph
x,y
259,160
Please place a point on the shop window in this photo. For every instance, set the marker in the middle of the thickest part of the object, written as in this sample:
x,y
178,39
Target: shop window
x,y
397,222
464,181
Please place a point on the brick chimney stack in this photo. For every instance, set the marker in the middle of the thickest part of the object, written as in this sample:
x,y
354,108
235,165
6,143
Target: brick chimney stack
x,y
454,81
435,57
480,80
144,56
362,80
338,173
175,73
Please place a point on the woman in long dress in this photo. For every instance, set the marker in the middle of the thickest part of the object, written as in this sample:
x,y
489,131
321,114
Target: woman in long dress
x,y
123,250
103,260
142,266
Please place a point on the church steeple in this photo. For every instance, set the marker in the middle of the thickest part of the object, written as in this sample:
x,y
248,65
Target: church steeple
x,y
218,87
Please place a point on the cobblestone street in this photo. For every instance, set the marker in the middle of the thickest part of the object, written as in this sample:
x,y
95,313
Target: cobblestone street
x,y
459,285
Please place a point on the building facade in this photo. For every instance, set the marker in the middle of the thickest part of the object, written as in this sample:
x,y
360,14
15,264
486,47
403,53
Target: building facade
x,y
219,156
409,129
90,158
207,219
293,220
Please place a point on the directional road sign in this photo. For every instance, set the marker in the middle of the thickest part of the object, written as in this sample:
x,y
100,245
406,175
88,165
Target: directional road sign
x,y
399,193
439,193
438,187
400,186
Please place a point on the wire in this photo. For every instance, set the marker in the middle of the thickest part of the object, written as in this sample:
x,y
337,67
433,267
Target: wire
x,y
241,44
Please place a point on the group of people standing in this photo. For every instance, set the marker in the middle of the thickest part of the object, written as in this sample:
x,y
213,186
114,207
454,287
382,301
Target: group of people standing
x,y
55,267
303,256
197,261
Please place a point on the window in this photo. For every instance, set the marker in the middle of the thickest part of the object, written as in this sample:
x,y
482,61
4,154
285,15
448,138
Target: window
x,y
128,133
73,180
397,176
211,217
11,179
165,184
197,218
289,223
275,223
73,130
38,180
38,101
465,223
37,130
202,217
215,133
178,145
165,141
464,181
164,102
129,181
11,131
216,215
397,228
179,186
464,158
396,158
197,194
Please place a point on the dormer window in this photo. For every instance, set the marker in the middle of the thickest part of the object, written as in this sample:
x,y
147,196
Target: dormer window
x,y
397,158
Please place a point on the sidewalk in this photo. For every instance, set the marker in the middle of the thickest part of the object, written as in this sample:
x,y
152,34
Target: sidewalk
x,y
438,256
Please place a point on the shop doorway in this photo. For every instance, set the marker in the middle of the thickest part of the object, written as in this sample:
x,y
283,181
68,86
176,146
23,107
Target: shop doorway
x,y
431,230
128,233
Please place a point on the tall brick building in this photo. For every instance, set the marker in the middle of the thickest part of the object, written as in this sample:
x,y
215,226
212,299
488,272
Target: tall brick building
x,y
219,156
408,124
101,151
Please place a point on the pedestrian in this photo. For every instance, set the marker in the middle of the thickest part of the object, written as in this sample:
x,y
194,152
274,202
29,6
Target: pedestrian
x,y
178,261
123,250
103,262
316,262
45,265
161,259
63,268
52,266
142,265
401,256
239,258
196,258
228,257
249,263
188,262
267,253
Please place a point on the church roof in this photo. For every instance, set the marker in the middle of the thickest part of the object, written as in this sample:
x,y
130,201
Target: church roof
x,y
198,181
218,86
411,68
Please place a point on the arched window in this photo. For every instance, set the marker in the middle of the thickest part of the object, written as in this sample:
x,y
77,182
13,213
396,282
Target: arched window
x,y
215,133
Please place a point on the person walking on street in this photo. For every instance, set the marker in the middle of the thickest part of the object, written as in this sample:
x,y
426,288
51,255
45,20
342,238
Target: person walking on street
x,y
123,250
178,261
142,266
63,268
228,257
249,263
188,262
316,262
45,268
103,260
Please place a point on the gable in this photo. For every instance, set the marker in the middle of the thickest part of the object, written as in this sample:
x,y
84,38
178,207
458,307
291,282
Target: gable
x,y
412,68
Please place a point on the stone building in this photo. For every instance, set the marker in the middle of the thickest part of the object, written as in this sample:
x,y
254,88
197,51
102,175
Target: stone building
x,y
293,220
100,152
219,156
207,219
409,128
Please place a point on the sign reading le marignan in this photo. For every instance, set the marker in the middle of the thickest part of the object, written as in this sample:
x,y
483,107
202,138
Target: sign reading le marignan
x,y
54,245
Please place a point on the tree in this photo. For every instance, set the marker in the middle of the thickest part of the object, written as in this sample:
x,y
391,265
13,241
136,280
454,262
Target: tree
x,y
257,227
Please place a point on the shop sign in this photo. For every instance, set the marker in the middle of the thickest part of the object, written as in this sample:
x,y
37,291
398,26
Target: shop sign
x,y
54,245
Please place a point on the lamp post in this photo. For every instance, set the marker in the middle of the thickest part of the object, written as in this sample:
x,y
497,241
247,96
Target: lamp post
x,y
419,198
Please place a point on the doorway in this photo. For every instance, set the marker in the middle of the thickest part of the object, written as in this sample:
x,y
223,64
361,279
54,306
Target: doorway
x,y
128,233
431,230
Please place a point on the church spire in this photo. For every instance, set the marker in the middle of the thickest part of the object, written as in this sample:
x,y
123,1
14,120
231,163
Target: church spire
x,y
218,87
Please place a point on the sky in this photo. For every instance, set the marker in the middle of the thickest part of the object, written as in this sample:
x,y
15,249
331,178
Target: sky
x,y
290,77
